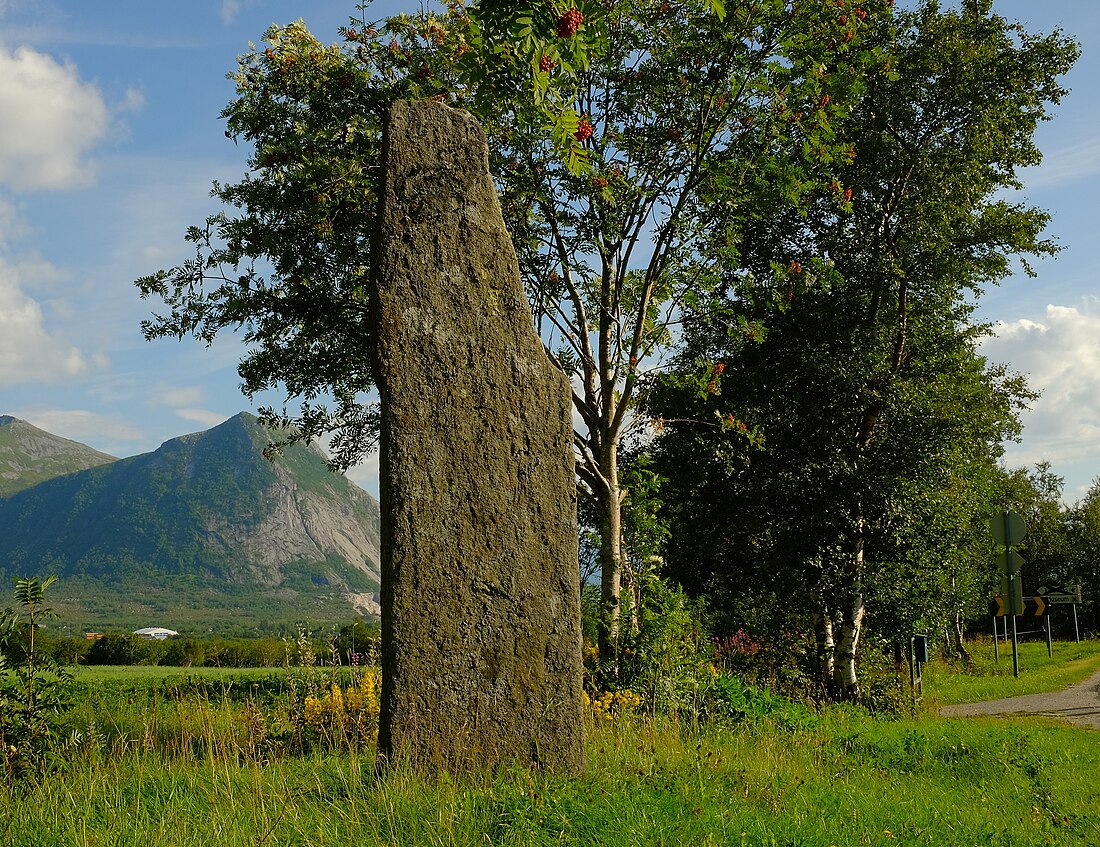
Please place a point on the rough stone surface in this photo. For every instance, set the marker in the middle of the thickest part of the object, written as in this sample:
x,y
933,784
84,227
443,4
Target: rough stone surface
x,y
480,596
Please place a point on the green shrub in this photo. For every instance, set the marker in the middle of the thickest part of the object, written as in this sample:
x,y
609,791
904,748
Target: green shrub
x,y
35,692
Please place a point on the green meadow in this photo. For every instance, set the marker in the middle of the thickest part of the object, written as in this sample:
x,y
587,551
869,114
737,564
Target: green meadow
x,y
175,757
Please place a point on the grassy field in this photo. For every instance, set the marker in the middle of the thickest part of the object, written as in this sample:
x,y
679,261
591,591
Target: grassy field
x,y
798,778
93,674
991,679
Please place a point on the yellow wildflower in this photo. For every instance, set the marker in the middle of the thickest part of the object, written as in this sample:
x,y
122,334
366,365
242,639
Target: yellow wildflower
x,y
314,711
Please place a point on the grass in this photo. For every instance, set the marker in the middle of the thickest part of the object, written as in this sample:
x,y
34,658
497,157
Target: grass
x,y
991,679
841,777
850,781
93,674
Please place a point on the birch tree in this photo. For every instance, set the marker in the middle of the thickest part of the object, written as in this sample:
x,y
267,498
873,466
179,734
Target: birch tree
x,y
867,382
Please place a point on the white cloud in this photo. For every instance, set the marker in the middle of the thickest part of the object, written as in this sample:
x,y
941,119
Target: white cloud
x,y
28,352
365,474
202,416
1070,164
12,224
133,101
80,425
230,10
49,120
185,402
189,395
1060,355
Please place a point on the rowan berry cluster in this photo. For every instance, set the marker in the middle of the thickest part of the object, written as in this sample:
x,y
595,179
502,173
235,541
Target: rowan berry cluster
x,y
584,130
569,23
546,64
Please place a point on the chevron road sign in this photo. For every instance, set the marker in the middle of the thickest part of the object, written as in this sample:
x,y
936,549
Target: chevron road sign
x,y
1031,607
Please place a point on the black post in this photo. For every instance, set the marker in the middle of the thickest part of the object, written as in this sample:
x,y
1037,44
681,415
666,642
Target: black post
x,y
1015,650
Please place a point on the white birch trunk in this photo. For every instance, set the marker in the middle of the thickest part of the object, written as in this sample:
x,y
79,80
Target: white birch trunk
x,y
845,680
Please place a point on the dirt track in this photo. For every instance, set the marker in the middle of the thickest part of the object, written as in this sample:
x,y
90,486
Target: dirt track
x,y
1079,704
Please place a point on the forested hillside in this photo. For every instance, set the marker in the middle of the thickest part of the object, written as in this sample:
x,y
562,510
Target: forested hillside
x,y
202,528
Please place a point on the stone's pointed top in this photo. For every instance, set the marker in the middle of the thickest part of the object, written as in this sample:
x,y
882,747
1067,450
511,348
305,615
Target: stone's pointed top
x,y
7,420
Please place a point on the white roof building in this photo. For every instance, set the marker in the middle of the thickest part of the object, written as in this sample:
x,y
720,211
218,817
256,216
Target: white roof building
x,y
158,633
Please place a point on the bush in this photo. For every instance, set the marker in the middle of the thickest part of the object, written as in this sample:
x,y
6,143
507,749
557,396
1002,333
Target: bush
x,y
35,692
115,649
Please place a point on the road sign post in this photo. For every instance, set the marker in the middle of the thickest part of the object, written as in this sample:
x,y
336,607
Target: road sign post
x,y
1063,595
1008,529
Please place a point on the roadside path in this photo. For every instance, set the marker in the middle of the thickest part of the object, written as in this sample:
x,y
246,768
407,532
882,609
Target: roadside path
x,y
1079,704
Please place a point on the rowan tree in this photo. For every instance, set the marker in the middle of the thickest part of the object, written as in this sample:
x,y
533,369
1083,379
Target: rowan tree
x,y
630,140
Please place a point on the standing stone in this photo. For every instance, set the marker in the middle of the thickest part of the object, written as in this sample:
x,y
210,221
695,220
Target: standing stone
x,y
480,588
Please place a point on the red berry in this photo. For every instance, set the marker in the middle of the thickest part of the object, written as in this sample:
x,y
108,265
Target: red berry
x,y
584,130
569,23
545,64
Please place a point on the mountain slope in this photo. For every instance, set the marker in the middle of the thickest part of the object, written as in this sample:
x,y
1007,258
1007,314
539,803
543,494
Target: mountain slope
x,y
29,455
202,525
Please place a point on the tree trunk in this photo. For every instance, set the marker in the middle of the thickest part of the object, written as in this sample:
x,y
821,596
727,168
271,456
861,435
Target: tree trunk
x,y
851,610
826,646
611,557
960,643
957,640
630,596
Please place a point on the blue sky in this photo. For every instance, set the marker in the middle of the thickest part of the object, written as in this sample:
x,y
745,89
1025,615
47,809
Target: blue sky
x,y
109,141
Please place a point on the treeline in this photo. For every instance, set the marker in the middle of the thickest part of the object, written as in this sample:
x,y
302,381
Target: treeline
x,y
764,229
1062,545
353,643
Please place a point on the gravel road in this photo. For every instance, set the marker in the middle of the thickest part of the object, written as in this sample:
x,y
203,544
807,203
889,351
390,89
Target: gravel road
x,y
1079,704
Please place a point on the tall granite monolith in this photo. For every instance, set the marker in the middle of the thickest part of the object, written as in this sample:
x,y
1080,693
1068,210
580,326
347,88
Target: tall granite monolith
x,y
480,597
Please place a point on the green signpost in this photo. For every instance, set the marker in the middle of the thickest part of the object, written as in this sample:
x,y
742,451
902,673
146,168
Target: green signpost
x,y
1008,529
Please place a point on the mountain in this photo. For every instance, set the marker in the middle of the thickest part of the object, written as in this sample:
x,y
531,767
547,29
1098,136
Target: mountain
x,y
204,532
28,455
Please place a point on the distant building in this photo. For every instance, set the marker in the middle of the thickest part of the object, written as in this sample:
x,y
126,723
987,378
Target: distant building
x,y
157,633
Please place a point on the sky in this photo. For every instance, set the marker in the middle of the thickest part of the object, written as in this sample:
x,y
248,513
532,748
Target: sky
x,y
110,138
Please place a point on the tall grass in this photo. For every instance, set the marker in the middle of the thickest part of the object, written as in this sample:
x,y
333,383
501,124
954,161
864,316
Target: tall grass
x,y
156,771
849,780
